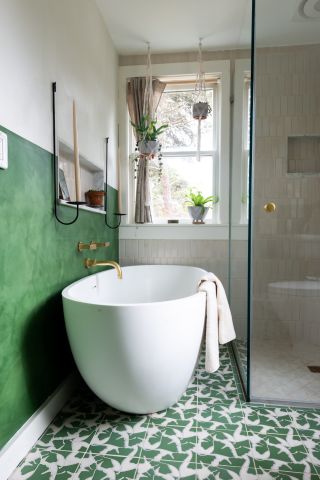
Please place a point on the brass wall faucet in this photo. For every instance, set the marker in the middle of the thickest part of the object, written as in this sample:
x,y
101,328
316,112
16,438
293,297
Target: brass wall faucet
x,y
89,263
92,245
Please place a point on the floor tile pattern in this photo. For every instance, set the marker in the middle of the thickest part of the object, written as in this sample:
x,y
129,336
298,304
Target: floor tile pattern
x,y
211,433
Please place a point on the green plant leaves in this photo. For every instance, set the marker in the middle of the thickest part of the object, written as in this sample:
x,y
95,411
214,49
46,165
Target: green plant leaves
x,y
147,130
198,200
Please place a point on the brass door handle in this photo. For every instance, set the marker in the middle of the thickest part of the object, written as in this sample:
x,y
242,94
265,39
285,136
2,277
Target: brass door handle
x,y
270,207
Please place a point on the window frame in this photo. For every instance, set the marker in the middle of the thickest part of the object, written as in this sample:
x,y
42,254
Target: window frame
x,y
214,153
220,68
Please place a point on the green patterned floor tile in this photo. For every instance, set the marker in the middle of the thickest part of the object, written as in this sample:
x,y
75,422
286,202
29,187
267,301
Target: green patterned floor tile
x,y
210,472
124,435
236,469
167,440
280,453
190,396
28,466
268,420
223,443
211,433
85,402
306,420
73,431
226,415
289,448
48,465
297,470
224,450
217,393
175,415
107,467
118,420
312,434
114,450
154,470
287,476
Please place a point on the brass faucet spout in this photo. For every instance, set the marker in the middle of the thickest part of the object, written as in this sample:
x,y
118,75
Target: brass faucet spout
x,y
89,263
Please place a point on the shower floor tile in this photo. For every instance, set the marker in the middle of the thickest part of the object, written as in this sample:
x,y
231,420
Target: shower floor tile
x,y
211,433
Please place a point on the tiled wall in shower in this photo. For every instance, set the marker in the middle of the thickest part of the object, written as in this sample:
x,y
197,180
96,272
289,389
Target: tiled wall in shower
x,y
211,255
286,243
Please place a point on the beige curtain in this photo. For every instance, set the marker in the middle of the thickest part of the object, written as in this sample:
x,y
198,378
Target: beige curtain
x,y
136,91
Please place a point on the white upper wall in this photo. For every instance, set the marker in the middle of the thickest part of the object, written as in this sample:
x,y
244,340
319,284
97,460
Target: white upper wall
x,y
42,41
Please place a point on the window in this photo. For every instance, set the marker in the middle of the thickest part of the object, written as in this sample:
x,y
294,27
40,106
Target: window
x,y
181,77
181,170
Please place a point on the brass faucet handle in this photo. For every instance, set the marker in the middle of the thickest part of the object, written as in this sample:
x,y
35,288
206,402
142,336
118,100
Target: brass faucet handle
x,y
87,246
92,245
102,244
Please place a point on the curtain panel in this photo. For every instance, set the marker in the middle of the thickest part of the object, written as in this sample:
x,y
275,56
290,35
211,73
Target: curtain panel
x,y
136,100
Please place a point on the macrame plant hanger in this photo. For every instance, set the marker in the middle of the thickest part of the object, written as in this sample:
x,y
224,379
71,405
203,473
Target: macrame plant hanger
x,y
152,149
201,108
148,94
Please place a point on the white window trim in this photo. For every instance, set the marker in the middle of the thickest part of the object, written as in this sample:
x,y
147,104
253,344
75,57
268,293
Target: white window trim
x,y
220,67
183,231
242,68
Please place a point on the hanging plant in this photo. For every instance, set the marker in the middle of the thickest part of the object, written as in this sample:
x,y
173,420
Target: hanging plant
x,y
201,108
148,144
147,134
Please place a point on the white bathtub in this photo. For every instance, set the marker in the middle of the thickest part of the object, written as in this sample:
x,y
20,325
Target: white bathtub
x,y
136,341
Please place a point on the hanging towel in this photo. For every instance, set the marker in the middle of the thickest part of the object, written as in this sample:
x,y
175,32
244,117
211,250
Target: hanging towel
x,y
219,325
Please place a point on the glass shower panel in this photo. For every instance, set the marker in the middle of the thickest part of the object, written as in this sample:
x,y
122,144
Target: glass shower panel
x,y
239,196
285,296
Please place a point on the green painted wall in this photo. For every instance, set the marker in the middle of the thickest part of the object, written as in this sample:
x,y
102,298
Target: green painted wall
x,y
38,259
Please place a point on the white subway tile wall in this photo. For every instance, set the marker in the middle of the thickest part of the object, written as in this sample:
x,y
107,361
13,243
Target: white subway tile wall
x,y
287,242
211,255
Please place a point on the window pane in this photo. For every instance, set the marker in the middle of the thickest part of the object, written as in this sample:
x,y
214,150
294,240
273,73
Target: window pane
x,y
175,108
179,174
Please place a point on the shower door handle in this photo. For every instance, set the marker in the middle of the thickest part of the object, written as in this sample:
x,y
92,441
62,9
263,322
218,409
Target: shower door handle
x,y
270,207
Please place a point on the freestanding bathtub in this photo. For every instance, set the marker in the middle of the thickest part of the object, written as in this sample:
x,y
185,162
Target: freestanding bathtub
x,y
136,341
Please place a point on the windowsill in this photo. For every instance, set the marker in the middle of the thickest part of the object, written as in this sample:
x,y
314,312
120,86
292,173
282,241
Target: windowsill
x,y
81,207
181,231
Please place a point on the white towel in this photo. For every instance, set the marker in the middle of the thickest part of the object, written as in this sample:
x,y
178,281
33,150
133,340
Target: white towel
x,y
219,325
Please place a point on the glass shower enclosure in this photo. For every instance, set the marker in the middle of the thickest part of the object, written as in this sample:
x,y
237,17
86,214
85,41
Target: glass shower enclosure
x,y
278,255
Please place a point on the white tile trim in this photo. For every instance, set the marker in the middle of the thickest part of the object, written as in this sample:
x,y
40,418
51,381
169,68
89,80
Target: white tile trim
x,y
24,439
182,232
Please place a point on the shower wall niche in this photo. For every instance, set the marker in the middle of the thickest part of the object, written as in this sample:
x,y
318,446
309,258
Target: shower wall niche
x,y
304,154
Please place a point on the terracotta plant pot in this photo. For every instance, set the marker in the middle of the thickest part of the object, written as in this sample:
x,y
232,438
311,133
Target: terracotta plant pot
x,y
149,147
95,198
198,214
200,110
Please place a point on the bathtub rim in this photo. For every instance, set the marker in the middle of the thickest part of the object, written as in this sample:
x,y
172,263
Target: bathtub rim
x,y
66,296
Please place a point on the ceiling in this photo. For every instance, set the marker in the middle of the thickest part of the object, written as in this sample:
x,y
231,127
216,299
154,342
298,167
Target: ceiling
x,y
176,25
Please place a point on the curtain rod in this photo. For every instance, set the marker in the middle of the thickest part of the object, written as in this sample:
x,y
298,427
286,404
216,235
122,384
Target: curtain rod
x,y
183,81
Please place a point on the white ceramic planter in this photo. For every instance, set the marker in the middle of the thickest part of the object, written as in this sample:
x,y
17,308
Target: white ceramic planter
x,y
200,110
150,147
198,214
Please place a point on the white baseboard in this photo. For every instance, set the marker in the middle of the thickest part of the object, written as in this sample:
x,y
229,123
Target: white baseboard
x,y
24,439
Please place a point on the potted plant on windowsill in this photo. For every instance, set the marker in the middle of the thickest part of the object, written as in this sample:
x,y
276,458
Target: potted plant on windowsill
x,y
197,205
95,198
147,135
